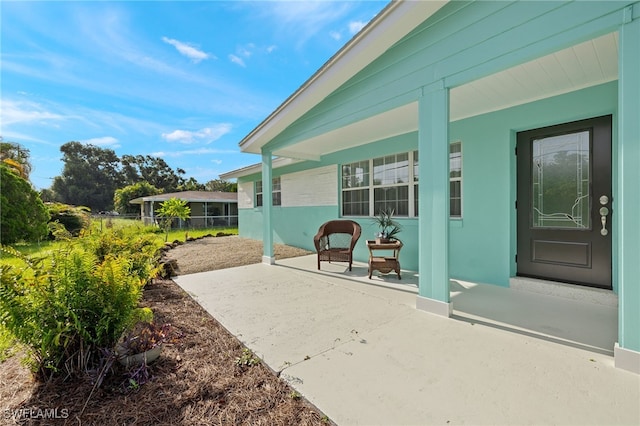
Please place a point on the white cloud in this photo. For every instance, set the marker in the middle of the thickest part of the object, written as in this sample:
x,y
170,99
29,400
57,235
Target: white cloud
x,y
303,18
206,135
25,112
355,26
246,51
237,60
199,151
272,48
103,141
335,35
187,50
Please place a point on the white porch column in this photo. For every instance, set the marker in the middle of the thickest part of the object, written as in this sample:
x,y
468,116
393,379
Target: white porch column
x,y
267,202
433,201
627,350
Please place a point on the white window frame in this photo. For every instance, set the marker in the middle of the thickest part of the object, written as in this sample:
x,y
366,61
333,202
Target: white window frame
x,y
412,183
458,179
276,192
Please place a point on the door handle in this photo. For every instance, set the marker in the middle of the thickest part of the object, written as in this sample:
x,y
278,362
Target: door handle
x,y
603,219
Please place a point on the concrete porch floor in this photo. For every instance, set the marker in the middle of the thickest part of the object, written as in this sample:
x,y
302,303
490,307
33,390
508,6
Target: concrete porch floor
x,y
360,351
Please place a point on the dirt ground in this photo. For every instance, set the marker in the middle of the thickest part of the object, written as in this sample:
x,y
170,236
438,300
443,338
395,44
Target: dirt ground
x,y
209,254
203,377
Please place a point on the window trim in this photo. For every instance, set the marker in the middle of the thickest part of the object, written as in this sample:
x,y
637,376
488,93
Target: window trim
x,y
276,194
457,179
412,183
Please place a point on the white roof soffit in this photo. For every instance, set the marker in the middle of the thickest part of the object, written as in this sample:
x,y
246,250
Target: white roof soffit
x,y
388,27
586,64
257,168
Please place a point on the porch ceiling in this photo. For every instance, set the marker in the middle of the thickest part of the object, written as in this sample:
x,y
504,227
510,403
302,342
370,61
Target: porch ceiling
x,y
587,64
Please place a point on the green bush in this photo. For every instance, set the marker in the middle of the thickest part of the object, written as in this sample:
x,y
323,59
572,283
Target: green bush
x,y
23,216
142,249
65,309
73,219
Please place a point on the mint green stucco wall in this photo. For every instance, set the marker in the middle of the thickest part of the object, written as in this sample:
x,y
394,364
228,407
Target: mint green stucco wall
x,y
482,243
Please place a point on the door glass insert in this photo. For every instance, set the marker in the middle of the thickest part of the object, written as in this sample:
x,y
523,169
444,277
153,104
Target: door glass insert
x,y
561,180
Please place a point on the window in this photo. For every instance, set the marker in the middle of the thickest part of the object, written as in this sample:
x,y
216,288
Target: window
x,y
391,183
382,183
276,192
455,180
355,189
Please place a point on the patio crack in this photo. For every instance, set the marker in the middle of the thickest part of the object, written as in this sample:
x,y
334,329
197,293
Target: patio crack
x,y
337,343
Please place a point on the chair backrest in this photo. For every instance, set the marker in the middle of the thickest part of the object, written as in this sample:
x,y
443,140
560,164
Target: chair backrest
x,y
341,226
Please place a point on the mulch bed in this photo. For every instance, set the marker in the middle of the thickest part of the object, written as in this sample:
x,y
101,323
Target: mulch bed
x,y
196,381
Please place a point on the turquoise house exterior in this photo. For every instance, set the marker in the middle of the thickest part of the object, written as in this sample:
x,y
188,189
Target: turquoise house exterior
x,y
450,113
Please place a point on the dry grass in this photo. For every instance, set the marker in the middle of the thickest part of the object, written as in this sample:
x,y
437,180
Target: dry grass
x,y
196,381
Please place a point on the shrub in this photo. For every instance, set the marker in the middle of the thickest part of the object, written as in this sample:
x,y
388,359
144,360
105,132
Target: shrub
x,y
73,219
22,214
65,309
141,248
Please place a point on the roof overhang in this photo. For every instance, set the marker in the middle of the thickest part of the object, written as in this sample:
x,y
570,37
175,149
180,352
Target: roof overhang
x,y
587,64
257,168
394,22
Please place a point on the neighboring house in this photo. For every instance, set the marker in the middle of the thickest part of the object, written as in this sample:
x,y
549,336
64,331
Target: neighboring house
x,y
208,209
423,111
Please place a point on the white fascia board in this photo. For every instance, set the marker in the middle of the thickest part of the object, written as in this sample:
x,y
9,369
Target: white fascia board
x,y
393,23
257,168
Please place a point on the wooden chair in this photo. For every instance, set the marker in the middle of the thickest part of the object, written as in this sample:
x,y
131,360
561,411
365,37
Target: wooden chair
x,y
336,240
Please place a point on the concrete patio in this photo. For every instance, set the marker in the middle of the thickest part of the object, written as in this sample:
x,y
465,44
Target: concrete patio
x,y
360,351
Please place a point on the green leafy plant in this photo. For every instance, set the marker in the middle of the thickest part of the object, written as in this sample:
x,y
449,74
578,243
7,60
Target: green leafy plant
x,y
64,308
295,395
71,218
247,359
389,228
172,209
143,250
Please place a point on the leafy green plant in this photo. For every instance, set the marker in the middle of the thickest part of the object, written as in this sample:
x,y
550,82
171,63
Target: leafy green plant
x,y
72,219
172,209
140,248
295,395
22,212
79,299
7,344
247,359
389,228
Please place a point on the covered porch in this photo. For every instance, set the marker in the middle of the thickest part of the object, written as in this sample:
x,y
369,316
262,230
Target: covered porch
x,y
360,351
454,76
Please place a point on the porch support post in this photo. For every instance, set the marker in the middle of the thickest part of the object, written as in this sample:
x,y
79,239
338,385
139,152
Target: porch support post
x,y
433,201
627,350
267,202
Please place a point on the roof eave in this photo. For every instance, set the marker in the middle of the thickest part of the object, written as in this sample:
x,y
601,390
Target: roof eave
x,y
395,21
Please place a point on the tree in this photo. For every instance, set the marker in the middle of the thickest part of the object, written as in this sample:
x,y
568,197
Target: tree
x,y
90,176
123,196
221,185
172,209
191,185
23,215
153,170
16,157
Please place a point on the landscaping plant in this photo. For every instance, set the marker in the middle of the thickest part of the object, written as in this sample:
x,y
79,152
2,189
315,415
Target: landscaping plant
x,y
68,307
171,209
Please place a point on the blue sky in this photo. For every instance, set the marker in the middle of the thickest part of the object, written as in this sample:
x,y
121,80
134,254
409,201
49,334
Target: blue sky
x,y
185,81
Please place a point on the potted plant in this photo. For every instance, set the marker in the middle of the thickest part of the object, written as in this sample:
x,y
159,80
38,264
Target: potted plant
x,y
143,344
389,228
